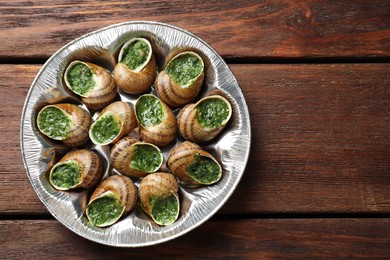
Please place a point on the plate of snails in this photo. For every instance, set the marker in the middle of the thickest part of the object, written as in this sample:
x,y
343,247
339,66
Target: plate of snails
x,y
135,134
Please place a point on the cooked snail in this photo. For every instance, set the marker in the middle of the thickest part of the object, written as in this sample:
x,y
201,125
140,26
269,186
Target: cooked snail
x,y
192,165
181,80
157,121
136,68
158,193
94,84
204,120
77,169
114,197
114,121
65,122
134,158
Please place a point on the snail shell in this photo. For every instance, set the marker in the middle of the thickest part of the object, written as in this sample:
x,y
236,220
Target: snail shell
x,y
161,133
190,125
123,153
76,130
159,185
186,155
174,93
102,93
119,187
89,165
124,117
139,79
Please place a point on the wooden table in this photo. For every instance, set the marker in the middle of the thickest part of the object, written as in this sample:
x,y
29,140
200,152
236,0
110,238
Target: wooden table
x,y
316,78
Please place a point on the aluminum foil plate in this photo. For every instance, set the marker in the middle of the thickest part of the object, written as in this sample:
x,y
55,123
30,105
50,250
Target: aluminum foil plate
x,y
101,47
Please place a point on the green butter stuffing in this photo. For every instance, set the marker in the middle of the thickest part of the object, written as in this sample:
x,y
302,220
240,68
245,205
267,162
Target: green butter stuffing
x,y
164,209
146,158
212,112
104,210
54,123
184,68
66,175
150,111
135,54
204,170
80,78
105,129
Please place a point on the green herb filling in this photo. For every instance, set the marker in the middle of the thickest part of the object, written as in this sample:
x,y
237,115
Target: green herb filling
x,y
105,129
146,158
135,54
54,123
164,209
212,112
66,175
80,78
104,210
204,170
150,111
184,68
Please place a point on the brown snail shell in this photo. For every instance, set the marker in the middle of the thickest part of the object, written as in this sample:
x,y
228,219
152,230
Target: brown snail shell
x,y
104,91
162,133
122,188
184,155
175,94
123,113
158,184
122,154
78,130
140,79
190,127
90,165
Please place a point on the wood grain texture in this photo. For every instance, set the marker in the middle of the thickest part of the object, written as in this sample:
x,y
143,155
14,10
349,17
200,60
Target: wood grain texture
x,y
320,140
244,239
14,85
260,30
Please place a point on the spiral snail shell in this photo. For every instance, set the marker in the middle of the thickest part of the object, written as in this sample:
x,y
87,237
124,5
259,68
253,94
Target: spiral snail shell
x,y
204,120
181,80
156,120
136,68
94,84
65,122
192,165
77,169
114,121
158,194
114,197
134,158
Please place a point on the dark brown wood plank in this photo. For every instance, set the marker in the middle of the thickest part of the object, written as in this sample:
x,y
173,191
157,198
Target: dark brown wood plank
x,y
251,29
16,191
262,238
320,140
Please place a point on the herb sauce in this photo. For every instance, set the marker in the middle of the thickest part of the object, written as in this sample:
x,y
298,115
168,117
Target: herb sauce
x,y
212,113
204,170
105,129
135,54
164,209
150,111
66,175
146,158
104,210
54,123
80,78
184,68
